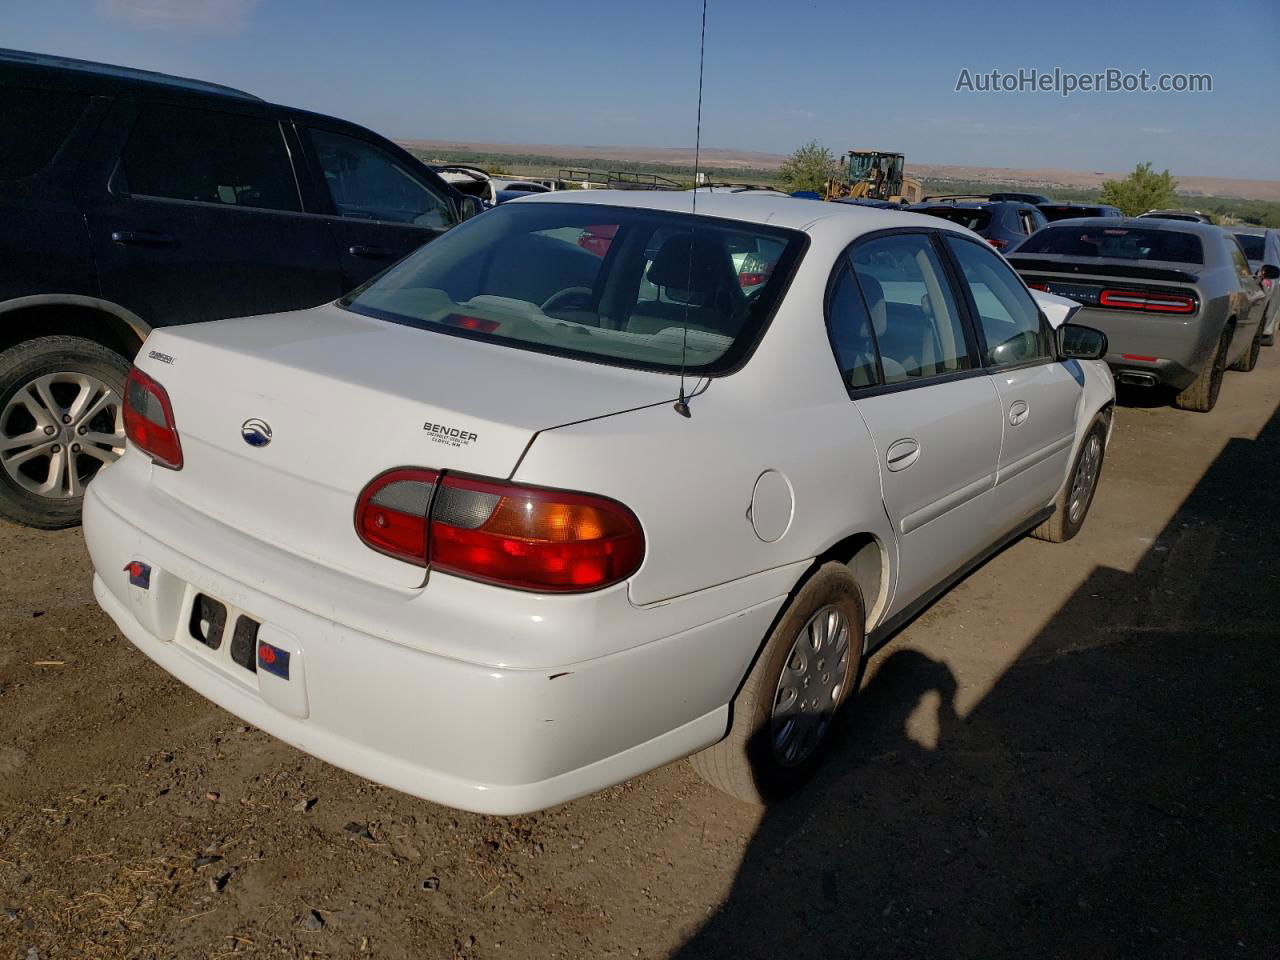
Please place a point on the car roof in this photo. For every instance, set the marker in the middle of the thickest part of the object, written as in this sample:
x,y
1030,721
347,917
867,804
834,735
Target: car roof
x,y
116,75
1142,223
750,207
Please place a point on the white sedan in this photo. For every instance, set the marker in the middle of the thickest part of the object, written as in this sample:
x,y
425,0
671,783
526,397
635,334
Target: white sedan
x,y
527,516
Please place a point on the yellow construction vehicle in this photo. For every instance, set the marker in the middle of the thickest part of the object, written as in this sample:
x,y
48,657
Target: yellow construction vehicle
x,y
875,175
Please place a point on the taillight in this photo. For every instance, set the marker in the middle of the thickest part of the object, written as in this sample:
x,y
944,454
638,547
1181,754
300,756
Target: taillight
x,y
148,420
1039,286
1154,302
529,538
997,242
391,513
1266,283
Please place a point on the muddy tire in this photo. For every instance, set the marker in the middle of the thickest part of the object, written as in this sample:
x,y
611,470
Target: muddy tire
x,y
60,422
1076,495
783,716
1250,358
1202,395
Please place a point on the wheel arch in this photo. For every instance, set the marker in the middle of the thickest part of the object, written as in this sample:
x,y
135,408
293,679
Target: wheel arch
x,y
101,321
870,562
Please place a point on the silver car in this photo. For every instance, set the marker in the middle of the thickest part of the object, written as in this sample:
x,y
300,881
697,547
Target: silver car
x,y
1262,247
1176,299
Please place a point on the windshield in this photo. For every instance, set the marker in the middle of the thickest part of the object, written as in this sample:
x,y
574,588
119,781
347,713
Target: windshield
x,y
639,288
1122,243
1252,244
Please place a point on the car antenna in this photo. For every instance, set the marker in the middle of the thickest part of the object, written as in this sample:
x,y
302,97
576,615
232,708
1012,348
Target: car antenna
x,y
682,404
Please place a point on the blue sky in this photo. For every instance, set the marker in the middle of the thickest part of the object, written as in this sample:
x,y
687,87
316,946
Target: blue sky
x,y
844,73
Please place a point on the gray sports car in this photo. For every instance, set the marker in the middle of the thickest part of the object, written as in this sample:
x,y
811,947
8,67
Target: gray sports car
x,y
1176,299
1262,246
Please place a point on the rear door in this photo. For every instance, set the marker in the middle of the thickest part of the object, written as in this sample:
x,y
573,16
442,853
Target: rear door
x,y
379,206
1039,396
911,367
194,214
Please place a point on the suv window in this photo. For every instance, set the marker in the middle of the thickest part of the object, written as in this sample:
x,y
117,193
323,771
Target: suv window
x,y
850,330
1010,318
367,183
33,125
913,313
207,156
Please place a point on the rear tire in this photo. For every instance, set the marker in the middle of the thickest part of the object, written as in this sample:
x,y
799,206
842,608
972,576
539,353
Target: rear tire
x,y
1076,496
61,420
1202,395
760,759
1250,358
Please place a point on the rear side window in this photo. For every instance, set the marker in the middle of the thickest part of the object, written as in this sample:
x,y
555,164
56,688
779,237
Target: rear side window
x,y
1124,243
850,330
207,156
33,125
367,183
913,314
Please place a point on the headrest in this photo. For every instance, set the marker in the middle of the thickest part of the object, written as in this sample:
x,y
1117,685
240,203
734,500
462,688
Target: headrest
x,y
689,262
874,293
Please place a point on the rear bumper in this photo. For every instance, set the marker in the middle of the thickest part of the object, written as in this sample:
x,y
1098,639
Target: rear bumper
x,y
1147,373
1178,345
478,736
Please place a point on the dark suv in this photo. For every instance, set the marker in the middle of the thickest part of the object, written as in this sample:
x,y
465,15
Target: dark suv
x,y
1002,223
131,200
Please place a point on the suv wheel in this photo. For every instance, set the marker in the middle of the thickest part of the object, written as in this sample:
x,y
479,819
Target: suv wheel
x,y
61,421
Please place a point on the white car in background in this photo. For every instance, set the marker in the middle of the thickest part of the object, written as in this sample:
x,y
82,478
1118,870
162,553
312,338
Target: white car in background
x,y
521,519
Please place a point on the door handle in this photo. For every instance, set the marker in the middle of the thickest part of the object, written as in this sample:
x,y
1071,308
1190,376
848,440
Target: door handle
x,y
1018,412
369,252
142,238
901,454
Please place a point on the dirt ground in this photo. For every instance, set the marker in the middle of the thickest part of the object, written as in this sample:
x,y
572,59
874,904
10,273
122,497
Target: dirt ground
x,y
1072,754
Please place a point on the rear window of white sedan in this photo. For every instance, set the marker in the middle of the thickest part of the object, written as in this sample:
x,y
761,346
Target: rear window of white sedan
x,y
640,288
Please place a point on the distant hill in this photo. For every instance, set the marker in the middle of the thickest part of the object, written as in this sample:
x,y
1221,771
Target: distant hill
x,y
748,163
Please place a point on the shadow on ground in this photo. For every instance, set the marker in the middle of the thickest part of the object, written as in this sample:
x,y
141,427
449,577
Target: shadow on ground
x,y
1114,795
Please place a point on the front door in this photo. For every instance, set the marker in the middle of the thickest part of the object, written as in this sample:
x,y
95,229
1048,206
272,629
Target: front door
x,y
1039,395
200,219
383,209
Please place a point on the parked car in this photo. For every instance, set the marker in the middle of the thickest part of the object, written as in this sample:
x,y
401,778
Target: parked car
x,y
1002,223
131,200
1176,299
1262,246
1074,211
516,521
1194,216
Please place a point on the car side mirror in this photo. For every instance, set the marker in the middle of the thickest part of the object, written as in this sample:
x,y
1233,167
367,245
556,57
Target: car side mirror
x,y
1076,342
468,207
1269,271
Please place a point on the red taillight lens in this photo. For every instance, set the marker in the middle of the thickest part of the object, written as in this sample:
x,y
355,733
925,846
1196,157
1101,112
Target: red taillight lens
x,y
998,243
148,420
1154,302
391,514
513,536
1266,283
1039,286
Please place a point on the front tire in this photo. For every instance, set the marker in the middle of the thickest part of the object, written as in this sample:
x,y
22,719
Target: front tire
x,y
810,665
61,421
1076,496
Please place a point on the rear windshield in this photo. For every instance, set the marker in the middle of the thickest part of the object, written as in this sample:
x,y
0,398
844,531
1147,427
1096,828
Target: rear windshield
x,y
969,217
1069,212
33,125
1252,244
1123,243
638,288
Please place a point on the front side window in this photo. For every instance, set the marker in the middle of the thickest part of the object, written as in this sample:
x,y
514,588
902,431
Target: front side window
x,y
634,287
207,156
913,314
367,183
33,125
1009,316
1252,244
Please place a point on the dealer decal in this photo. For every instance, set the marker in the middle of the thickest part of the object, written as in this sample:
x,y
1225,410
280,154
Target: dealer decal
x,y
450,436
